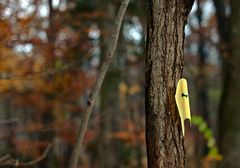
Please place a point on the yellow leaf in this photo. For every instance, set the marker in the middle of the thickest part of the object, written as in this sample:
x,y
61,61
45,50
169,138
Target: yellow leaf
x,y
134,89
123,88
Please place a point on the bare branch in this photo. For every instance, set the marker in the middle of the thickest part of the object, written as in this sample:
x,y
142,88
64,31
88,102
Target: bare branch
x,y
8,161
4,158
92,97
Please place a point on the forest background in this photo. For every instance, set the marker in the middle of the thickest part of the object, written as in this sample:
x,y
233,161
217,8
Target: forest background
x,y
50,54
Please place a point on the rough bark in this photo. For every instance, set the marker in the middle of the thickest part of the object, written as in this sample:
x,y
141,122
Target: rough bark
x,y
164,66
229,115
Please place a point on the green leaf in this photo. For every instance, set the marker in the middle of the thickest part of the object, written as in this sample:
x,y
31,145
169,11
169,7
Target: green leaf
x,y
211,142
202,127
213,152
58,65
197,120
208,133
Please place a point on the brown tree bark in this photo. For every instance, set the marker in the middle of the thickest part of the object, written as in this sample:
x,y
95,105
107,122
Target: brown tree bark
x,y
164,65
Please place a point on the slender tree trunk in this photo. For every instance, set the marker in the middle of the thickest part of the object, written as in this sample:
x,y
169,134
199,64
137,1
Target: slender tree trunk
x,y
108,149
47,115
164,65
104,155
96,88
108,153
202,88
202,76
230,107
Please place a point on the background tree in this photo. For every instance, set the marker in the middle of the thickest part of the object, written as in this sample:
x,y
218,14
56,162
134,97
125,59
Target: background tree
x,y
229,108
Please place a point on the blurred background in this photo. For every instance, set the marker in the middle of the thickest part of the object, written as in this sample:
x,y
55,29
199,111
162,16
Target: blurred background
x,y
50,53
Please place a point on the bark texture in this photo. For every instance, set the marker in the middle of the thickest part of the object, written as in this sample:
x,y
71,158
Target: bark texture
x,y
164,66
229,115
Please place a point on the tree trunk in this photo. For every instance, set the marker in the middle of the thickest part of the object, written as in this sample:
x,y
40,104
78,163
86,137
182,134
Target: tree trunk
x,y
230,108
164,66
202,87
107,157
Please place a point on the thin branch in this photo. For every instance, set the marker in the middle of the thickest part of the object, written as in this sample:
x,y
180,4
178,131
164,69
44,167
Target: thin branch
x,y
4,158
92,97
8,161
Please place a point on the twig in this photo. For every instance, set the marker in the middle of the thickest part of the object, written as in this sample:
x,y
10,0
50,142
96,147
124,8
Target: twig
x,y
92,97
4,158
8,161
